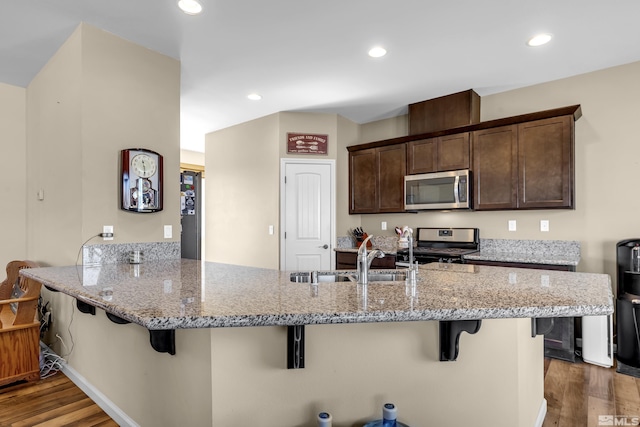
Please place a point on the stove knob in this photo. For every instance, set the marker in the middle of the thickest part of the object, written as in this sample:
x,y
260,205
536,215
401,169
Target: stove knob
x,y
450,260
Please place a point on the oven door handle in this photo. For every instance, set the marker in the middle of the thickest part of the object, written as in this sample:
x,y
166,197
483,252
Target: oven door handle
x,y
456,190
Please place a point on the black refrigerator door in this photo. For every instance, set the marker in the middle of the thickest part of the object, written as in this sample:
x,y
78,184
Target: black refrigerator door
x,y
191,214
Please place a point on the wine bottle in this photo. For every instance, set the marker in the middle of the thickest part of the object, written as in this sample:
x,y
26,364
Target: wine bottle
x,y
324,419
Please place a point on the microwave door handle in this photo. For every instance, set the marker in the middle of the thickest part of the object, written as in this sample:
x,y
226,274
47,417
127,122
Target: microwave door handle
x,y
456,190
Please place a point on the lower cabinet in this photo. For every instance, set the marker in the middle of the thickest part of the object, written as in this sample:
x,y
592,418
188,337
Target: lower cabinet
x,y
560,342
349,260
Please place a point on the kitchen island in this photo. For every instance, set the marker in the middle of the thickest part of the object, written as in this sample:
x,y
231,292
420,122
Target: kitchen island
x,y
387,347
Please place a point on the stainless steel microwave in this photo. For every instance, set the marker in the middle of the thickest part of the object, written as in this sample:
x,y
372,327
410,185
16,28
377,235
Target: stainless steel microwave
x,y
438,190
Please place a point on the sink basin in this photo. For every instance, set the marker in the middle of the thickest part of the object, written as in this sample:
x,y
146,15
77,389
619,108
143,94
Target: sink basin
x,y
392,276
343,276
323,277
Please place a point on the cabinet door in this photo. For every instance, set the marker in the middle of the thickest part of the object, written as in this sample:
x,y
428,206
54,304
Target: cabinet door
x,y
363,181
453,152
392,167
495,168
545,163
422,155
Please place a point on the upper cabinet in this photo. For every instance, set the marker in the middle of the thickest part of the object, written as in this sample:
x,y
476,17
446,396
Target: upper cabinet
x,y
495,168
376,179
546,163
444,153
520,162
524,166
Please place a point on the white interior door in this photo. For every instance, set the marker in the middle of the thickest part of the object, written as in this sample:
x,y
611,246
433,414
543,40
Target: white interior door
x,y
308,216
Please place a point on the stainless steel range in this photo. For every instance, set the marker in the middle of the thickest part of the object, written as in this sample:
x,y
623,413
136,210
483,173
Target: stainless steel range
x,y
441,245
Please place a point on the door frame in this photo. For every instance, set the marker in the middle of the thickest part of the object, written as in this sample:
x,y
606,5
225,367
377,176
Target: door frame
x,y
332,189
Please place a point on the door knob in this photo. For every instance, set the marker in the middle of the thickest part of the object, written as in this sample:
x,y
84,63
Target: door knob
x,y
325,246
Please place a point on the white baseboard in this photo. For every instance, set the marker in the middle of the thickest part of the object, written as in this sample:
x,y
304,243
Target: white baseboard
x,y
541,413
117,414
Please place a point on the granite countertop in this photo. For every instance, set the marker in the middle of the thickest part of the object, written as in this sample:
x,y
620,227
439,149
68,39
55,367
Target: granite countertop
x,y
552,252
193,294
528,258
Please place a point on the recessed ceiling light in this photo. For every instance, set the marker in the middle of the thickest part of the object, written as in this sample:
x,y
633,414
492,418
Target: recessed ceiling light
x,y
190,7
539,40
254,97
377,52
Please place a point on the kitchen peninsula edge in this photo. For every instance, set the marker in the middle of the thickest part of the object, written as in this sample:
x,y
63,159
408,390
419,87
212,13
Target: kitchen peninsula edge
x,y
181,294
379,353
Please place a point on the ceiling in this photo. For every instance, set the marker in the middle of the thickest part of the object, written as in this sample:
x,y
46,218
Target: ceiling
x,y
303,55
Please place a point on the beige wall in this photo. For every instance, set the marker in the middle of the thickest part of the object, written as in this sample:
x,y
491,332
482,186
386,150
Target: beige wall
x,y
192,157
13,175
243,175
242,194
98,95
352,370
607,157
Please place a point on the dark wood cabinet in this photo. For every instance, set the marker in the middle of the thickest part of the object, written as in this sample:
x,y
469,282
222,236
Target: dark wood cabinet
x,y
349,260
495,168
524,166
444,153
363,181
521,265
545,163
377,179
560,341
519,162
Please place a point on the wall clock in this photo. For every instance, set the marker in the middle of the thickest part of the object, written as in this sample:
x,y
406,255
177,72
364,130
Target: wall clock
x,y
141,180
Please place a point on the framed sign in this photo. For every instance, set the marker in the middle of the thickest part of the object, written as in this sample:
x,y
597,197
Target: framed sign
x,y
307,143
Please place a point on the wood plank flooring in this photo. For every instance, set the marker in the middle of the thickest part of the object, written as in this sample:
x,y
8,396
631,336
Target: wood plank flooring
x,y
576,393
52,402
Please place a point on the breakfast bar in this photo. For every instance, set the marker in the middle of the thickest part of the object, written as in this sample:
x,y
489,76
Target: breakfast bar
x,y
386,342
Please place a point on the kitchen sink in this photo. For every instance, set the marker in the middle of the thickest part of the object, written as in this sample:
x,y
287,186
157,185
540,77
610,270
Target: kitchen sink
x,y
323,277
349,276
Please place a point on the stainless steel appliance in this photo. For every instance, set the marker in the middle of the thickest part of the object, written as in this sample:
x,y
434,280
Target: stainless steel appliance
x,y
441,245
439,190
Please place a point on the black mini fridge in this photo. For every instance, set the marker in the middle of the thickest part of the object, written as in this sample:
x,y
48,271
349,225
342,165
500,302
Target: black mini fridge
x,y
628,307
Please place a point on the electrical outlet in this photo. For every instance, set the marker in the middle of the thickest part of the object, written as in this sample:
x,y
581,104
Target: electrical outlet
x,y
168,231
383,225
271,230
512,225
544,225
107,232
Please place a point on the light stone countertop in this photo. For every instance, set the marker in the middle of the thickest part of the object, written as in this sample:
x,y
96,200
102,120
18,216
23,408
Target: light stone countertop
x,y
553,252
175,294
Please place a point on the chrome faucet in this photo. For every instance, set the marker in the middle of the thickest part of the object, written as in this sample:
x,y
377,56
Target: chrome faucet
x,y
364,261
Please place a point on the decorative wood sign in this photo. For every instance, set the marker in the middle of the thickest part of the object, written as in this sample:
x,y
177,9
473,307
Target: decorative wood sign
x,y
307,143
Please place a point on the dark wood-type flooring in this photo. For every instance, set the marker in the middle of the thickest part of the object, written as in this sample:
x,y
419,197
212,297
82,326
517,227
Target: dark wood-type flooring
x,y
577,394
52,402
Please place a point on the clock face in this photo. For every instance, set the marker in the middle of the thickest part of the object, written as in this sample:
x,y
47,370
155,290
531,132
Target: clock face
x,y
144,166
141,180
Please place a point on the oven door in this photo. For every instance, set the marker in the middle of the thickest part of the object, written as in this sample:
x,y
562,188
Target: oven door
x,y
441,190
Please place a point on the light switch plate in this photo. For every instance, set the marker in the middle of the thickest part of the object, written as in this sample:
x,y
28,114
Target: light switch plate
x,y
512,225
168,231
383,225
544,225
